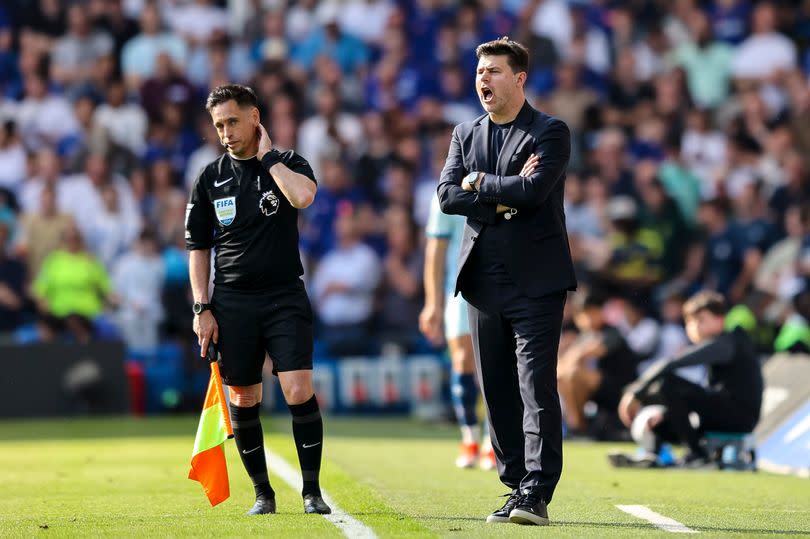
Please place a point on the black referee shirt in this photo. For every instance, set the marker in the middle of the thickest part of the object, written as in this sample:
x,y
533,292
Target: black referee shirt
x,y
236,207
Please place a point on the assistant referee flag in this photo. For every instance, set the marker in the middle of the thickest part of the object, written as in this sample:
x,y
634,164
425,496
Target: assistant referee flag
x,y
208,458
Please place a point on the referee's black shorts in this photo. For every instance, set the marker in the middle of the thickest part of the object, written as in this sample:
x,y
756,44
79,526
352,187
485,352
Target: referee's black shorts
x,y
277,321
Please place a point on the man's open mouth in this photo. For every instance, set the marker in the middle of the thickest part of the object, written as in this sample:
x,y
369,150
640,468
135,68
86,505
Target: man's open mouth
x,y
486,94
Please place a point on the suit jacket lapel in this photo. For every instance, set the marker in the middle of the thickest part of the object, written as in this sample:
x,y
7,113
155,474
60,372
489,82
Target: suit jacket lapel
x,y
517,132
481,145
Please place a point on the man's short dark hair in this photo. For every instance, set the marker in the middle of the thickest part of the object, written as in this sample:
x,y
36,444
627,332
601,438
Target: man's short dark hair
x,y
705,301
243,95
517,55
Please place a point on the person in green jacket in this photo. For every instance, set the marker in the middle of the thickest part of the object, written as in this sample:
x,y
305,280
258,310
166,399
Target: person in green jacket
x,y
71,288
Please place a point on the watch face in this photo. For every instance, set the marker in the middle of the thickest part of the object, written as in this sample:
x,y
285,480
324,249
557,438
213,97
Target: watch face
x,y
197,308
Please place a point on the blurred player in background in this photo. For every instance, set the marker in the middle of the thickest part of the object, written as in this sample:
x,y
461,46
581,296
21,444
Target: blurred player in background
x,y
444,318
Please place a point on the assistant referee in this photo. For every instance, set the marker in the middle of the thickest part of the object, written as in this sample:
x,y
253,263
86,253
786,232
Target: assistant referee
x,y
245,205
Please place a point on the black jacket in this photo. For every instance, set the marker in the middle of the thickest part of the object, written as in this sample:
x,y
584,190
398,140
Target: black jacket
x,y
537,257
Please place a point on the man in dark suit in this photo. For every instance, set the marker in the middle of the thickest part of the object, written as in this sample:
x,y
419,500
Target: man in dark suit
x,y
505,172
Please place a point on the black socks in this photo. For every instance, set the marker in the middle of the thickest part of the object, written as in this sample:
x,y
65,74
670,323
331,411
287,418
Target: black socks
x,y
308,435
247,431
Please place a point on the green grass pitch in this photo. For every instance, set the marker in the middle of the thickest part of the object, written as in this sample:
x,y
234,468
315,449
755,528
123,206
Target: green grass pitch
x,y
126,477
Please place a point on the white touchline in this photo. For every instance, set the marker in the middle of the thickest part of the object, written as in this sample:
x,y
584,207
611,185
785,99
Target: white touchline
x,y
350,526
660,521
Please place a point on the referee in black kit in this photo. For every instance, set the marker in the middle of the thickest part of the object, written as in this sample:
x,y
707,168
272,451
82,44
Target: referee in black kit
x,y
245,204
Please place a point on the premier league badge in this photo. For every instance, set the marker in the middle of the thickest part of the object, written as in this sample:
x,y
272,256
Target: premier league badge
x,y
268,203
225,208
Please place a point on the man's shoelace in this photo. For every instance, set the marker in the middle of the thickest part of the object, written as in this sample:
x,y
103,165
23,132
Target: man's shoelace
x,y
512,502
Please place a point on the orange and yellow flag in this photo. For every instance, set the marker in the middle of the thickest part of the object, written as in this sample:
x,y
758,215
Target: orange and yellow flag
x,y
208,458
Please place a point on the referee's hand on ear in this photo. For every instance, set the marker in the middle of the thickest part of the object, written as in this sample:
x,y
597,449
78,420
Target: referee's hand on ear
x,y
207,330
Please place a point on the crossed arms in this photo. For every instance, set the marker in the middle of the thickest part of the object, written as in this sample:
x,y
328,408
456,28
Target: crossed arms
x,y
496,193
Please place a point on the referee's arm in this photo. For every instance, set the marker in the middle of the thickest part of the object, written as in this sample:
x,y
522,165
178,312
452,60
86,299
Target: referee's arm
x,y
199,240
295,179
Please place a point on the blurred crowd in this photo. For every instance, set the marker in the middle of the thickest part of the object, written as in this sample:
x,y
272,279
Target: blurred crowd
x,y
690,122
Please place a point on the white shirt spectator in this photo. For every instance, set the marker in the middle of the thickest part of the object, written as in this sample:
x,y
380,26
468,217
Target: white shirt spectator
x,y
138,280
365,19
13,166
198,159
301,22
314,141
126,125
643,338
704,153
761,55
51,118
77,196
196,20
107,236
552,19
357,267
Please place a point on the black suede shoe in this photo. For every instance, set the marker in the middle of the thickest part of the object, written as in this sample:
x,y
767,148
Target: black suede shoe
x,y
502,514
263,506
314,504
530,510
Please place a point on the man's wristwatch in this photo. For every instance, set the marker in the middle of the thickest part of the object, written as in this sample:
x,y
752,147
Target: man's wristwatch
x,y
470,179
200,307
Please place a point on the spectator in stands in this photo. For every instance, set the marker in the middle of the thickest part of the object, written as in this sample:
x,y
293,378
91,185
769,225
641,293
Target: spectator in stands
x,y
42,117
766,52
707,63
731,402
636,252
139,56
401,288
71,289
74,55
42,230
330,132
661,216
349,52
596,367
138,279
724,250
641,332
84,197
335,189
343,289
12,286
124,122
47,172
108,232
777,277
12,158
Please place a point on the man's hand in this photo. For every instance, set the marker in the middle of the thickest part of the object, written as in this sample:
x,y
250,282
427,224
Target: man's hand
x,y
628,409
530,165
431,324
265,144
207,330
467,187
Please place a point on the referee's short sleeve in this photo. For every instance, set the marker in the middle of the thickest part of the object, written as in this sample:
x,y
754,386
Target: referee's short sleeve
x,y
298,164
199,217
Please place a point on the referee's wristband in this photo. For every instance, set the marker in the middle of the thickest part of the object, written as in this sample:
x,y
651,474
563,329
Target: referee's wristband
x,y
271,158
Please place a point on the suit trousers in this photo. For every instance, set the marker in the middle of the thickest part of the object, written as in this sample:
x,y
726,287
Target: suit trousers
x,y
516,340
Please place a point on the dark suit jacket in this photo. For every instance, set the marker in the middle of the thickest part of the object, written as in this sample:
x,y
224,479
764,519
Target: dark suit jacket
x,y
536,251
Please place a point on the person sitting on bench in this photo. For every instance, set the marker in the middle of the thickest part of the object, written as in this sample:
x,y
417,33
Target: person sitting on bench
x,y
730,403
